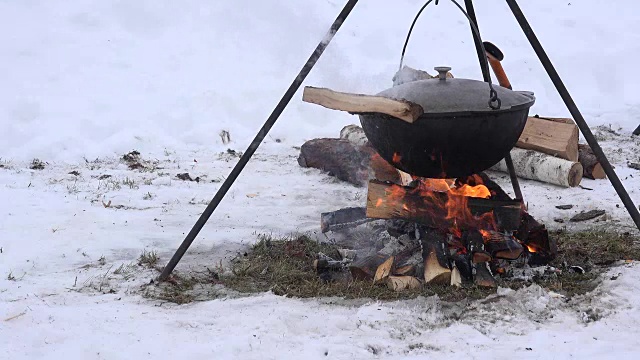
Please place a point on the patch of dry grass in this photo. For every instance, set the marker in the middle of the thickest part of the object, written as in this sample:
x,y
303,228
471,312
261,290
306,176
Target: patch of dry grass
x,y
594,248
285,267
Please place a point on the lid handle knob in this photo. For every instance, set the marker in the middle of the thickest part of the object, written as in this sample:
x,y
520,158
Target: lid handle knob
x,y
442,71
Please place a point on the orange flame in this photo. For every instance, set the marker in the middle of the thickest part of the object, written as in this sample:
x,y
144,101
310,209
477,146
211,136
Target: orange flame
x,y
452,208
396,158
531,249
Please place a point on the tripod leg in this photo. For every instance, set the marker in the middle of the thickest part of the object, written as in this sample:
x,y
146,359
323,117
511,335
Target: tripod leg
x,y
168,269
487,77
575,112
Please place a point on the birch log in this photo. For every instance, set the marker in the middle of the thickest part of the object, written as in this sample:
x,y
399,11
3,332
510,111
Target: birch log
x,y
354,134
534,165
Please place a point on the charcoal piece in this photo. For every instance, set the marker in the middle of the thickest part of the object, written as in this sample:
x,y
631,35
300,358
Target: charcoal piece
x,y
397,228
564,207
588,215
343,218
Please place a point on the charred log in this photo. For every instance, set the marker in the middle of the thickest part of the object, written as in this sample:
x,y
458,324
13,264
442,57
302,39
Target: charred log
x,y
502,246
434,253
346,161
483,276
366,267
535,237
343,218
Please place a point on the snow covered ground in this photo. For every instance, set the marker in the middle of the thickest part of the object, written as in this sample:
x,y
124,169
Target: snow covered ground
x,y
84,82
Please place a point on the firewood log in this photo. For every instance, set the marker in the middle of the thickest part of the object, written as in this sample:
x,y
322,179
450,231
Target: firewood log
x,y
535,165
436,269
456,278
355,134
399,283
365,268
384,270
483,277
360,104
346,161
552,137
590,164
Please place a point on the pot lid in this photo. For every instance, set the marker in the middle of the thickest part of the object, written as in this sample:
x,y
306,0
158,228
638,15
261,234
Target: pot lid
x,y
453,95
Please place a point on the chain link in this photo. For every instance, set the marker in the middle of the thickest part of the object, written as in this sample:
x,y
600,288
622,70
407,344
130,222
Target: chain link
x,y
494,102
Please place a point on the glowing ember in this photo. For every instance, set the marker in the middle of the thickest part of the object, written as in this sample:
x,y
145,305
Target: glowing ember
x,y
396,158
379,202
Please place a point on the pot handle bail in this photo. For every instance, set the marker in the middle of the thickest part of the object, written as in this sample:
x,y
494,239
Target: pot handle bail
x,y
494,101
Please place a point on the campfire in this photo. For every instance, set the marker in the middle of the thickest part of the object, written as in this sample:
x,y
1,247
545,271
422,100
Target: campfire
x,y
416,231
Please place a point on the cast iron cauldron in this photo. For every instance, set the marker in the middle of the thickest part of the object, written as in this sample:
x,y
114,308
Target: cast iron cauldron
x,y
460,133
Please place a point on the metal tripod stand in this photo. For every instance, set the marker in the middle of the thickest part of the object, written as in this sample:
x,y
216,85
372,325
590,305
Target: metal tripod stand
x,y
533,40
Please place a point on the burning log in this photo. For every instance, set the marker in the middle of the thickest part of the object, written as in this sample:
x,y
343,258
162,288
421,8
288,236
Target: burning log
x,y
346,161
436,267
502,246
359,103
592,168
432,208
536,238
556,138
534,165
